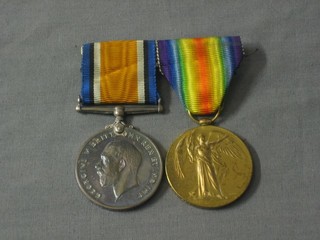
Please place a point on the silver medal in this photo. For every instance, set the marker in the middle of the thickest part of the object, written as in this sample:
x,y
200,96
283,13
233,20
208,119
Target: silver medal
x,y
119,168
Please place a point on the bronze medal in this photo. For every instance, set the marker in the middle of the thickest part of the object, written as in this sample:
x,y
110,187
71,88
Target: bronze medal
x,y
208,166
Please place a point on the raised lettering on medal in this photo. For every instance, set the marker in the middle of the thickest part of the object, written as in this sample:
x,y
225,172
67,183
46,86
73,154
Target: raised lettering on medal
x,y
119,171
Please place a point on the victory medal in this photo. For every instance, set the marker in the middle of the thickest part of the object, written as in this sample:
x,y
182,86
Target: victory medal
x,y
207,166
119,168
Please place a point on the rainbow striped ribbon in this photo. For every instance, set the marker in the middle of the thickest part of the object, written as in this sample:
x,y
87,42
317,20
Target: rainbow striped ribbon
x,y
119,72
200,69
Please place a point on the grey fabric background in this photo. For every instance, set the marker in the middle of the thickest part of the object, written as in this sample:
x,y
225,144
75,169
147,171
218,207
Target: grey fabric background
x,y
273,104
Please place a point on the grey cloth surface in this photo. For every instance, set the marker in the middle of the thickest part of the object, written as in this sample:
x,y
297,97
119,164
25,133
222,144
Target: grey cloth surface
x,y
273,104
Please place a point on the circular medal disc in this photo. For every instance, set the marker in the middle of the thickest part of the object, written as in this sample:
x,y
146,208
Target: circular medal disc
x,y
209,166
119,171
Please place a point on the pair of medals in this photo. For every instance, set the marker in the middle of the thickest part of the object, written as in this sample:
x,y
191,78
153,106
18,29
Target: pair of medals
x,y
120,168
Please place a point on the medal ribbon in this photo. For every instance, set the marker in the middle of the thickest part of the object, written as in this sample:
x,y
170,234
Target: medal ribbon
x,y
200,69
119,72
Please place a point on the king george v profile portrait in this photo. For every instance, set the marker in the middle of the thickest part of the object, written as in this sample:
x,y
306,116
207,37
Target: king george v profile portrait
x,y
118,167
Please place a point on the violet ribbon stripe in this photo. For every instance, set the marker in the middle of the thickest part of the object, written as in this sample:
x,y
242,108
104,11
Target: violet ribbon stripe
x,y
200,69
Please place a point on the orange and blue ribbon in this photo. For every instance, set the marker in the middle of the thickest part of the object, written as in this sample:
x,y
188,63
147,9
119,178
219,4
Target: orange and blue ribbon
x,y
118,72
200,69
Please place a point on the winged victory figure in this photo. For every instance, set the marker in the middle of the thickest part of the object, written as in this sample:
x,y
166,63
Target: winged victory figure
x,y
208,158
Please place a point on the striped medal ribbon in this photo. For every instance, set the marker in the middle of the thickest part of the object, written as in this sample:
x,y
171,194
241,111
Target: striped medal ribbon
x,y
200,69
119,168
119,72
206,166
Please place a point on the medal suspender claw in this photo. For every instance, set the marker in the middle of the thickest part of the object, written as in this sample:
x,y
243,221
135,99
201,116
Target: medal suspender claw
x,y
119,168
207,166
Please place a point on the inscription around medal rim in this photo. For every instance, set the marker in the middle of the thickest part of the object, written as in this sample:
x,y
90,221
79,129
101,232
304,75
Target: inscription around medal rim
x,y
85,181
88,182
